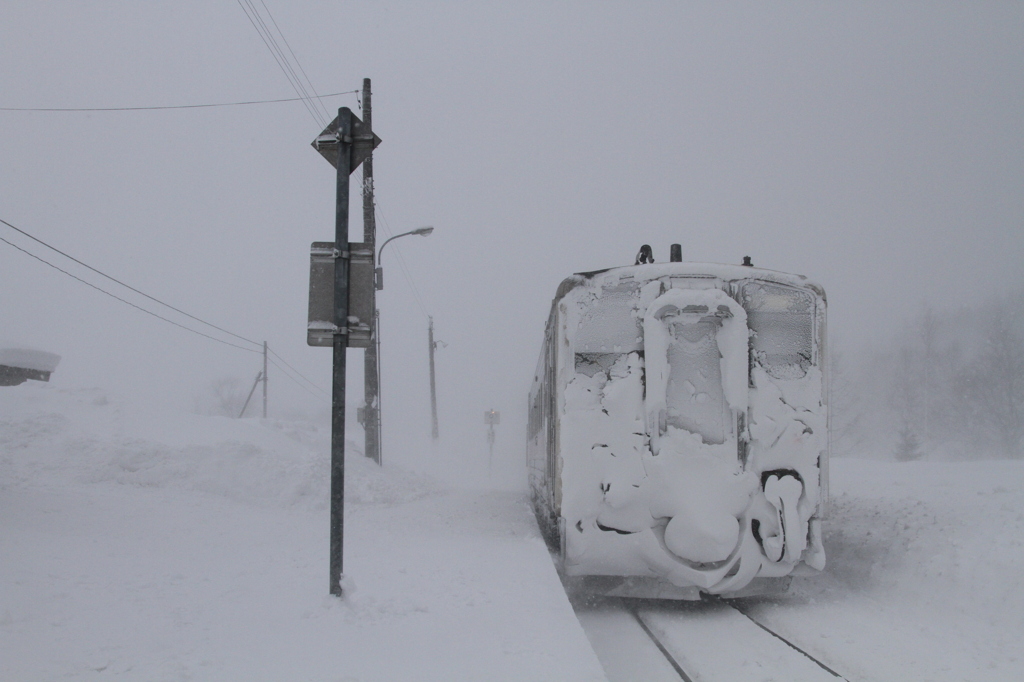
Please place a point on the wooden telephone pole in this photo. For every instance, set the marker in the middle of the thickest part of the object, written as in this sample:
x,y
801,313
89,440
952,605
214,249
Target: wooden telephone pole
x,y
371,371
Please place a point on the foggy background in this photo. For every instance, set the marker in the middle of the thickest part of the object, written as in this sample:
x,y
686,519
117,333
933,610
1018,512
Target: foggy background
x,y
877,149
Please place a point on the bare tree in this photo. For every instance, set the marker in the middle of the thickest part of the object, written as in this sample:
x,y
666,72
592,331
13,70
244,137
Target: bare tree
x,y
906,403
929,327
991,386
845,406
224,397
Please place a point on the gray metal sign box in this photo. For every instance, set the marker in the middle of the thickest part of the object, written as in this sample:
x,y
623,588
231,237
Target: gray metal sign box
x,y
320,330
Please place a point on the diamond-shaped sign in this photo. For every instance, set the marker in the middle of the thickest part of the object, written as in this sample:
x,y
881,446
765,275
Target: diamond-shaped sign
x,y
364,141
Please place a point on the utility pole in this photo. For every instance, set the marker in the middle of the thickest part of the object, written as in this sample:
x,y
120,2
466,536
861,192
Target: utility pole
x,y
264,379
371,370
433,388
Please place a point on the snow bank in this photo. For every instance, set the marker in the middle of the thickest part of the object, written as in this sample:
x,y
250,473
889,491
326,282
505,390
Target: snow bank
x,y
140,545
87,436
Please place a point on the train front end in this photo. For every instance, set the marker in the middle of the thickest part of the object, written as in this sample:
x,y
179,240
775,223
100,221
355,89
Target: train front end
x,y
679,429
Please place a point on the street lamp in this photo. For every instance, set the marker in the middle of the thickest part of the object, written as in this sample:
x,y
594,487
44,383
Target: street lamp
x,y
379,272
378,279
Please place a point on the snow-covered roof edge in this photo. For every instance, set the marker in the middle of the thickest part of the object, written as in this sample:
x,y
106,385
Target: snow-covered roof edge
x,y
652,271
29,358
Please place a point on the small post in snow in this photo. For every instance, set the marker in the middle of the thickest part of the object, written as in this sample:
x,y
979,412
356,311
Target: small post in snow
x,y
433,386
264,379
491,417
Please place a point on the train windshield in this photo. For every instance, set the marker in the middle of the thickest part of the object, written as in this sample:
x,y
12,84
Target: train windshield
x,y
695,396
609,323
782,321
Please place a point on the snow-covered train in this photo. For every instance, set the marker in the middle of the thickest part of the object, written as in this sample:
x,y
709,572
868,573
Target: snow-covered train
x,y
678,429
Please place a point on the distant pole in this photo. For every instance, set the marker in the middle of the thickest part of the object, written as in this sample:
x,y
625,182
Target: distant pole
x,y
380,404
259,377
490,446
433,387
371,356
341,264
491,417
264,379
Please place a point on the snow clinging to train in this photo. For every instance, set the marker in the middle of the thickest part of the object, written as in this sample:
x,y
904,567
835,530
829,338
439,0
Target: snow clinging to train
x,y
678,430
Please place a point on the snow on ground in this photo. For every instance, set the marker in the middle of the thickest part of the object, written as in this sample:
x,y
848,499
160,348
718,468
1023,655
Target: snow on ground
x,y
145,546
924,578
141,546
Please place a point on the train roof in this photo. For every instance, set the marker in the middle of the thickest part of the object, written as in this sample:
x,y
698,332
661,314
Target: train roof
x,y
652,271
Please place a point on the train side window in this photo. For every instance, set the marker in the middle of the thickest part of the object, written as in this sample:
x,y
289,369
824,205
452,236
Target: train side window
x,y
782,321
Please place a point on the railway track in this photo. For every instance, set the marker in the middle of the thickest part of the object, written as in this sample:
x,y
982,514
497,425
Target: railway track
x,y
709,641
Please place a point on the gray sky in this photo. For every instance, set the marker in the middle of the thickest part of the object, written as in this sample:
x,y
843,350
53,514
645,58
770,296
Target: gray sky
x,y
878,149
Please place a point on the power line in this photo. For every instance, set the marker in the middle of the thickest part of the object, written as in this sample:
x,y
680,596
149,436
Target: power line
x,y
179,106
296,371
268,39
104,291
282,61
287,64
156,300
322,394
297,63
261,28
160,317
176,324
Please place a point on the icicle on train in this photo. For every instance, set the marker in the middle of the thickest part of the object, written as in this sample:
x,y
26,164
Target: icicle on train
x,y
678,429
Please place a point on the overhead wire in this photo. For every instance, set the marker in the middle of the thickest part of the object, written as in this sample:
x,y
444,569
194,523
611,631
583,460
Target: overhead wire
x,y
321,394
316,99
126,286
104,291
278,52
319,390
282,61
295,370
177,106
289,70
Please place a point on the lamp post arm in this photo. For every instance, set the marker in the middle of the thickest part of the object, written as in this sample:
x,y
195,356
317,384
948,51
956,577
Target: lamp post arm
x,y
388,241
420,230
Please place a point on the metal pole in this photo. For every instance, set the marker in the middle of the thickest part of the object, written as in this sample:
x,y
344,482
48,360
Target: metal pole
x,y
251,391
340,345
264,379
380,404
433,389
371,356
490,444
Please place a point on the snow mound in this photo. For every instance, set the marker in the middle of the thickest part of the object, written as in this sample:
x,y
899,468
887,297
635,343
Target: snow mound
x,y
86,436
